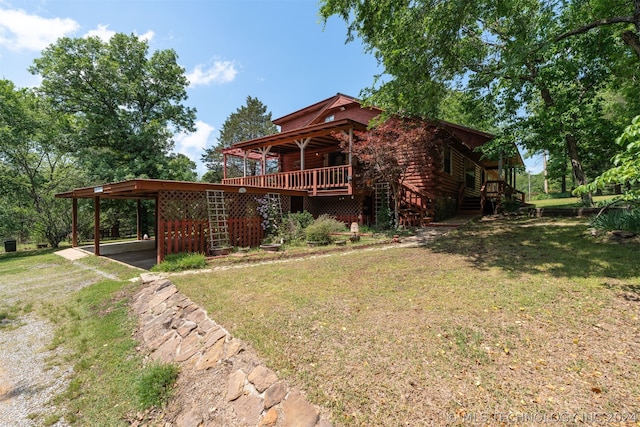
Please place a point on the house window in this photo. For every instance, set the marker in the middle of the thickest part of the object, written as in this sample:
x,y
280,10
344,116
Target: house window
x,y
469,174
329,118
446,161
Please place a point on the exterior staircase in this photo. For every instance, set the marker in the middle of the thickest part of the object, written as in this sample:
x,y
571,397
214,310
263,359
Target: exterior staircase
x,y
416,207
470,205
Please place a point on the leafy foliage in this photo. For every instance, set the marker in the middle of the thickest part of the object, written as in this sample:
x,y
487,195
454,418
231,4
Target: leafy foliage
x,y
626,169
33,167
320,230
294,225
125,103
393,150
618,219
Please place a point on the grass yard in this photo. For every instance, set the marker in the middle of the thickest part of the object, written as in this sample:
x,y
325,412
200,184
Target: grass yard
x,y
569,202
513,316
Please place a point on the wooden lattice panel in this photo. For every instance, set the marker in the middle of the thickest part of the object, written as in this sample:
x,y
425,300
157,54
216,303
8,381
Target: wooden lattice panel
x,y
344,209
179,205
183,220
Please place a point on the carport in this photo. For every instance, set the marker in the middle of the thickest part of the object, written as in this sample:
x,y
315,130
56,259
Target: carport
x,y
181,212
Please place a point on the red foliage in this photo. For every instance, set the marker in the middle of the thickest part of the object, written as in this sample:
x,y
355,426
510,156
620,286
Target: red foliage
x,y
395,150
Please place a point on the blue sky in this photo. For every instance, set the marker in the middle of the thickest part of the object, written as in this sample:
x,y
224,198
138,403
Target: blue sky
x,y
276,50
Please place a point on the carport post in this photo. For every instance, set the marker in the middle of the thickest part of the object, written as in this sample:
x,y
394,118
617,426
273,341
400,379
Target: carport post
x,y
74,223
139,219
96,225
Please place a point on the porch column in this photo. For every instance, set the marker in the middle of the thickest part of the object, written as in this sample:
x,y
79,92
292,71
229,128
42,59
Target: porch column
x,y
74,223
500,167
224,165
350,145
96,225
159,232
264,151
246,154
302,145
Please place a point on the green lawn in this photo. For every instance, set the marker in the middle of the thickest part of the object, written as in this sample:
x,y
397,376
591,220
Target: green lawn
x,y
504,316
570,202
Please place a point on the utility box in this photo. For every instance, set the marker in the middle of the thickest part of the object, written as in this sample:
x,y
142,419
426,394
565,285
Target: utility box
x,y
10,245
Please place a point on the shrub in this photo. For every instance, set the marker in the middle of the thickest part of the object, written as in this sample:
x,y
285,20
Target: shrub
x,y
320,230
156,384
618,219
183,261
293,226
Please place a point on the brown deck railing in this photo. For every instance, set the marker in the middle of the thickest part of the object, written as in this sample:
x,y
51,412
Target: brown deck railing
x,y
313,180
496,189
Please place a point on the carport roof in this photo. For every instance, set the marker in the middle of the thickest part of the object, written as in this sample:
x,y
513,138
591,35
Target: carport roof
x,y
149,189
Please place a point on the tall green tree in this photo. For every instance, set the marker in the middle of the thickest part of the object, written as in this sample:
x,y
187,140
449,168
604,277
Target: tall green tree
x,y
126,103
33,167
247,122
510,53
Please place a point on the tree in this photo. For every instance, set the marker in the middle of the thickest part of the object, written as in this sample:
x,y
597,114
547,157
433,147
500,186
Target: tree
x,y
33,168
626,169
546,88
248,122
393,150
126,105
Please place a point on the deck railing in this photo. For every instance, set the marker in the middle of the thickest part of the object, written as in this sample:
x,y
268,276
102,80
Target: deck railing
x,y
494,190
312,180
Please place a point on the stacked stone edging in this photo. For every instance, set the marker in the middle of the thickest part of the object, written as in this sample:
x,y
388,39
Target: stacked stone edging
x,y
231,386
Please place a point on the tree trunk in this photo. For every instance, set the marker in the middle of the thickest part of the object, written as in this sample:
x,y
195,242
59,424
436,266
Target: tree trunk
x,y
576,166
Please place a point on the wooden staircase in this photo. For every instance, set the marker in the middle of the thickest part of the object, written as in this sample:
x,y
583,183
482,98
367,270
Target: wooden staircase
x,y
416,207
470,205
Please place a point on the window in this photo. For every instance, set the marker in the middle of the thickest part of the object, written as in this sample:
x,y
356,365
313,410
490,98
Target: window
x,y
329,118
446,161
469,174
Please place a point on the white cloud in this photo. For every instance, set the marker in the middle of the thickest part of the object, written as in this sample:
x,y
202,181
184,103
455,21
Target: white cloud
x,y
104,33
192,144
219,72
22,31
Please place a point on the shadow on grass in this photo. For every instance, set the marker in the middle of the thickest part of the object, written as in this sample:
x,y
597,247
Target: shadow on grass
x,y
562,248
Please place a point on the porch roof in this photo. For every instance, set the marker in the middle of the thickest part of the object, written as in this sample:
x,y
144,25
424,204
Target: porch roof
x,y
283,142
149,189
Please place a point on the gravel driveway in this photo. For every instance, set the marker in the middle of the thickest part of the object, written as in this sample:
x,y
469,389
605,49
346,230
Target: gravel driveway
x,y
26,384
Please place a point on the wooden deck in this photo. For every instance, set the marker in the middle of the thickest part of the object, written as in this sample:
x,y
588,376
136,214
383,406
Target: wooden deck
x,y
335,180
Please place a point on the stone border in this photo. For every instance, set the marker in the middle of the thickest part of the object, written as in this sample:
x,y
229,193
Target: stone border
x,y
173,329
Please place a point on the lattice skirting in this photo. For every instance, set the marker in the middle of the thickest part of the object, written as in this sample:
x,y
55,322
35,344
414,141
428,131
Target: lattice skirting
x,y
343,209
183,224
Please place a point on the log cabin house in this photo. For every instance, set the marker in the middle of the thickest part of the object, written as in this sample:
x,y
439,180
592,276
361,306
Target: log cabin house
x,y
315,174
310,159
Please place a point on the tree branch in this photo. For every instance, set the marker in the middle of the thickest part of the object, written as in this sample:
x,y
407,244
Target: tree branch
x,y
599,23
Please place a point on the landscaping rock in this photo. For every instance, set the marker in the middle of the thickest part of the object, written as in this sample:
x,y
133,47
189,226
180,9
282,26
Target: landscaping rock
x,y
248,409
298,412
172,329
270,418
236,385
262,378
275,394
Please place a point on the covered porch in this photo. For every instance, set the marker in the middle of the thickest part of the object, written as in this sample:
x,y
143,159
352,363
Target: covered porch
x,y
309,159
